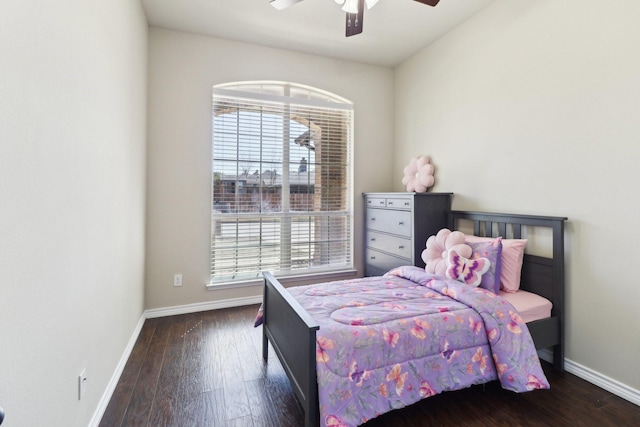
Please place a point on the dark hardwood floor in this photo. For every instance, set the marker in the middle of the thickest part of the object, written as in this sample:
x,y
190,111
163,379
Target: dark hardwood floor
x,y
206,369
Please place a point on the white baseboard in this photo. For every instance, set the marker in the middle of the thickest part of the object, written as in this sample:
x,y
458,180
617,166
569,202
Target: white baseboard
x,y
201,306
602,381
111,387
596,378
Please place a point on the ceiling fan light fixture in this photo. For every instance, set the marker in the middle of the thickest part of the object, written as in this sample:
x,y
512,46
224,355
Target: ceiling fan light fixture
x,y
353,8
283,4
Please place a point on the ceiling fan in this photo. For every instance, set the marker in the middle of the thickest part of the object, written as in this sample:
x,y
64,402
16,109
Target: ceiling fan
x,y
353,8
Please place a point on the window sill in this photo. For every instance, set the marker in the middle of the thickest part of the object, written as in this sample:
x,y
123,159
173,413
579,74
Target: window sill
x,y
288,280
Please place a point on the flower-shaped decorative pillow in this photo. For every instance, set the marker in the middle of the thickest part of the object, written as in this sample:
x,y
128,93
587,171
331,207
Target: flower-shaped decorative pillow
x,y
438,246
418,175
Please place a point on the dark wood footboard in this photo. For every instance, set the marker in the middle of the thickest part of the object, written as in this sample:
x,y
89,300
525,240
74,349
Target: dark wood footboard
x,y
292,333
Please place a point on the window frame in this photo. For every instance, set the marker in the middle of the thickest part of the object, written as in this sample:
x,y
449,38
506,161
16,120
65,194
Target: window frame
x,y
292,95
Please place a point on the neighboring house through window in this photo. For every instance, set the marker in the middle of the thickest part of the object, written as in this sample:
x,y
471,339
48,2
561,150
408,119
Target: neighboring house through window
x,y
282,182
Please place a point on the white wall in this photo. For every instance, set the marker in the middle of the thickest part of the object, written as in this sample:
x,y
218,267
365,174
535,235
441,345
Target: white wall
x,y
183,69
72,194
532,106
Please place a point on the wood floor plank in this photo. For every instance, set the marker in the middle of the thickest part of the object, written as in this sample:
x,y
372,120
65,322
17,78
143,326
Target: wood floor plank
x,y
221,380
213,407
252,367
166,401
192,410
235,394
138,410
114,414
213,347
240,422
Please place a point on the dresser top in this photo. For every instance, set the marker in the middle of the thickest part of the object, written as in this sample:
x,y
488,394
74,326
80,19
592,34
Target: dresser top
x,y
405,194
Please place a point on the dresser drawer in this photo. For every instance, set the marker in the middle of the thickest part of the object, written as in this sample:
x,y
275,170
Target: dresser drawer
x,y
390,202
382,261
399,203
393,244
391,221
378,202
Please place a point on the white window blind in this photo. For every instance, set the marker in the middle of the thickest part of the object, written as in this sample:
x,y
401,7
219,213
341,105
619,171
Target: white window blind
x,y
282,192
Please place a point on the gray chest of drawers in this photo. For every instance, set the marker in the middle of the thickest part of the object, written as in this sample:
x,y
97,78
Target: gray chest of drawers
x,y
397,226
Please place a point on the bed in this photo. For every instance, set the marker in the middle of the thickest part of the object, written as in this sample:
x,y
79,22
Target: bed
x,y
292,330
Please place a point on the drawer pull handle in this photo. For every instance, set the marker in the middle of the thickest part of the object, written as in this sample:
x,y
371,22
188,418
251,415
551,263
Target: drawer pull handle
x,y
401,247
401,223
381,203
373,219
372,258
373,239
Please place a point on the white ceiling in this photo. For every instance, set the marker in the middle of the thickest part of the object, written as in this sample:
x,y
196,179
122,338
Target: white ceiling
x,y
393,30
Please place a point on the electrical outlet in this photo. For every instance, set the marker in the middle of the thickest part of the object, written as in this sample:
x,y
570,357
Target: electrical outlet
x,y
177,280
82,383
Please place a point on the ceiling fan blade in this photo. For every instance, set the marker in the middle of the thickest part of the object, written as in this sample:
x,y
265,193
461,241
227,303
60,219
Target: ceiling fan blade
x,y
429,2
354,20
283,4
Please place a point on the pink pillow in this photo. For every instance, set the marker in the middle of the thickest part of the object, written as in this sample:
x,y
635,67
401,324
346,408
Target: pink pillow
x,y
512,255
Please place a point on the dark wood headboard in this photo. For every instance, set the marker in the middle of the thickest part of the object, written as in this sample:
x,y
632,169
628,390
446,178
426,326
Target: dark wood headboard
x,y
541,275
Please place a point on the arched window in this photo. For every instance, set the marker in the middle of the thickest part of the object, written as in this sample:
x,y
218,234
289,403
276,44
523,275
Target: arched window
x,y
282,189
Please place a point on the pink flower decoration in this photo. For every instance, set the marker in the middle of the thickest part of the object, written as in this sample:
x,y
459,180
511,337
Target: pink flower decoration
x,y
418,174
438,247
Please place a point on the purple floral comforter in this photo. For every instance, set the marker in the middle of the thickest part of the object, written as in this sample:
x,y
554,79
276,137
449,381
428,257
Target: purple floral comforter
x,y
387,342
